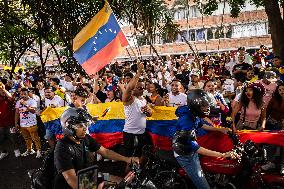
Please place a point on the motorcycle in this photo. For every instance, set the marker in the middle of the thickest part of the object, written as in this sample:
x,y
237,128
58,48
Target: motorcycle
x,y
161,170
245,172
154,173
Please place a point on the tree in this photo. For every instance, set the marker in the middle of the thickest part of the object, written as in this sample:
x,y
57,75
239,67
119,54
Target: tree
x,y
272,9
57,22
68,17
15,38
150,18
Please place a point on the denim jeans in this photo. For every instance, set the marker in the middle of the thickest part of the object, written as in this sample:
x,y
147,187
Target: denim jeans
x,y
191,164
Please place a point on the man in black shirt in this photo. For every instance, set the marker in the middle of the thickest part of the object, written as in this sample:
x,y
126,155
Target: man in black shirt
x,y
240,69
72,152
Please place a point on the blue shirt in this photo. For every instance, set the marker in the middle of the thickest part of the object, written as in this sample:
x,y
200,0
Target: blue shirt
x,y
187,122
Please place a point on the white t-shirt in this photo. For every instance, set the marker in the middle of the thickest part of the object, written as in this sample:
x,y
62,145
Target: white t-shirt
x,y
135,119
41,92
199,86
67,85
230,65
37,99
27,119
56,101
228,85
177,100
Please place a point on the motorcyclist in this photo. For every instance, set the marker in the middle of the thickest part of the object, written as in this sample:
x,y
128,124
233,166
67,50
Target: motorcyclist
x,y
72,152
185,146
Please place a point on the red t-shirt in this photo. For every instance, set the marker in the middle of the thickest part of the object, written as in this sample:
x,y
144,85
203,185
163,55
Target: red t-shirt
x,y
7,112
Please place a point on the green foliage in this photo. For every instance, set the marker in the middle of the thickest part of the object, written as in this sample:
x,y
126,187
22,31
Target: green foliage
x,y
30,64
170,30
57,22
15,38
236,5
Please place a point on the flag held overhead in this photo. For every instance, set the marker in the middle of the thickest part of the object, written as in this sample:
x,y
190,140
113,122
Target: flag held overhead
x,y
99,42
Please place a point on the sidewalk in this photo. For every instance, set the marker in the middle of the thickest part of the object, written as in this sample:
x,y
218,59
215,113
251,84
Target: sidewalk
x,y
14,171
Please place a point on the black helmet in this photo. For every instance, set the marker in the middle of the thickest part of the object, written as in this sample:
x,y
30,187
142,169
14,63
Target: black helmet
x,y
72,117
196,99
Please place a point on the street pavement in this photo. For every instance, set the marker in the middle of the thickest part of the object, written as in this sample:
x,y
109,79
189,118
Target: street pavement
x,y
14,171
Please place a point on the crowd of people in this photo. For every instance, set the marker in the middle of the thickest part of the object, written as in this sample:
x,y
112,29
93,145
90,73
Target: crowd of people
x,y
245,88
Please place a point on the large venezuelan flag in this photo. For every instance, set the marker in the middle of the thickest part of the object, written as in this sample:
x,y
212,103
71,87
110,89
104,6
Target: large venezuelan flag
x,y
99,42
161,127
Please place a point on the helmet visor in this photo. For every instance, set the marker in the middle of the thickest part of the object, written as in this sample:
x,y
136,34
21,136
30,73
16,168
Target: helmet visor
x,y
85,125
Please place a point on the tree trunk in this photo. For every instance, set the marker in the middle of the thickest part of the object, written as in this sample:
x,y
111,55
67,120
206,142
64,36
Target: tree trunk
x,y
42,63
12,56
276,25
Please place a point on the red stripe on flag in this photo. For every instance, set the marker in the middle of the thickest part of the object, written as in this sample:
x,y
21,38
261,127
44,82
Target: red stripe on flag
x,y
105,55
161,142
273,138
108,140
216,141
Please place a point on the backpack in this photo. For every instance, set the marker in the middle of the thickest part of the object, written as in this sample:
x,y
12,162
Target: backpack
x,y
43,178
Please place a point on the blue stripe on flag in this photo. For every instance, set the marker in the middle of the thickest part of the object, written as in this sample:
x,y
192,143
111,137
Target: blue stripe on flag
x,y
101,39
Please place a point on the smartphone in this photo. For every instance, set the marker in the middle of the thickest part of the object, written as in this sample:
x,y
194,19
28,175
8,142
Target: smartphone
x,y
88,178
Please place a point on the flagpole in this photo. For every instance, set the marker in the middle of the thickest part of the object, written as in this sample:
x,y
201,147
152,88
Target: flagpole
x,y
129,54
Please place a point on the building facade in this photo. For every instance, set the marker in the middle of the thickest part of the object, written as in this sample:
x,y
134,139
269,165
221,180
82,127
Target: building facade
x,y
214,33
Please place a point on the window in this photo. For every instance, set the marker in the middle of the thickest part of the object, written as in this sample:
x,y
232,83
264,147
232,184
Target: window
x,y
210,33
268,28
249,30
220,10
179,38
184,34
192,35
194,12
180,14
200,34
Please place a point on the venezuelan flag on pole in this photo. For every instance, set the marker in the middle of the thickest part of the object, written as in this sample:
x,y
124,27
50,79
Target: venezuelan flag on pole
x,y
99,42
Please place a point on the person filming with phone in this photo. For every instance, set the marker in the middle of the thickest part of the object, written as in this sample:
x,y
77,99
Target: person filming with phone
x,y
71,153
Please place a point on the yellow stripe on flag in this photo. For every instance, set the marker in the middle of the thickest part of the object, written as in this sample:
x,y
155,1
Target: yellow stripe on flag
x,y
116,112
100,19
50,114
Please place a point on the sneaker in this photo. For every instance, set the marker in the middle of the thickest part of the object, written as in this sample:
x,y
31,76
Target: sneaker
x,y
38,154
3,155
282,170
28,153
268,166
17,153
32,152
